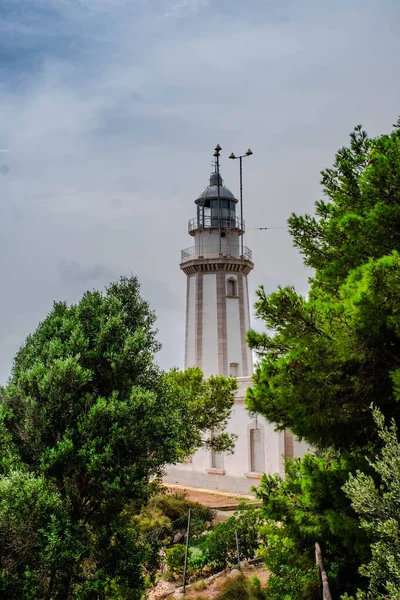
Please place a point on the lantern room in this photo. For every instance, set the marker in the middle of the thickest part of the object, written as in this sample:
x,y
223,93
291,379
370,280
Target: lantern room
x,y
216,208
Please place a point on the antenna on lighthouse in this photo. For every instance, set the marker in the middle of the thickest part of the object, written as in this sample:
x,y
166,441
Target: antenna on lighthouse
x,y
217,151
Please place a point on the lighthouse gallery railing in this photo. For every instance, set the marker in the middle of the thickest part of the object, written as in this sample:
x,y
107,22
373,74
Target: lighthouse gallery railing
x,y
215,252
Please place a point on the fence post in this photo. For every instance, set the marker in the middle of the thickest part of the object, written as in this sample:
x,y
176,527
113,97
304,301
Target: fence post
x,y
237,549
326,594
186,553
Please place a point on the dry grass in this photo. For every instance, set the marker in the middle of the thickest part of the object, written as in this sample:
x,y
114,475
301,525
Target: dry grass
x,y
199,585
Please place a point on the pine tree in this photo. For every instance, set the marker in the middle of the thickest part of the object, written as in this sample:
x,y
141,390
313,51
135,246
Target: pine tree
x,y
325,358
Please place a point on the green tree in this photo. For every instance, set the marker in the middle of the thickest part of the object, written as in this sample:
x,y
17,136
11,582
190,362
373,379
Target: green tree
x,y
308,506
90,416
326,357
379,510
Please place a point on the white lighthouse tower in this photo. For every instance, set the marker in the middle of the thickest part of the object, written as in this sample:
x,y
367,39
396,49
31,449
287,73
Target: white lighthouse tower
x,y
217,318
217,298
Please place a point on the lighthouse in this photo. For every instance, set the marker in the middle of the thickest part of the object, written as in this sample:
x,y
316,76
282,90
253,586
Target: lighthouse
x,y
217,298
217,265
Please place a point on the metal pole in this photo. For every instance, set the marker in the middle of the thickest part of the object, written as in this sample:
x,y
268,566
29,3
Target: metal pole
x,y
186,553
237,550
248,153
219,206
241,202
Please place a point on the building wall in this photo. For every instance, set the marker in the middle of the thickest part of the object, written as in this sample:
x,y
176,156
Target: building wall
x,y
235,474
190,359
210,325
207,239
217,324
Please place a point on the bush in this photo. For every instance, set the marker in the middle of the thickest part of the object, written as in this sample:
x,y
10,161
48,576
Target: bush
x,y
219,546
199,585
242,588
175,558
169,513
197,558
175,505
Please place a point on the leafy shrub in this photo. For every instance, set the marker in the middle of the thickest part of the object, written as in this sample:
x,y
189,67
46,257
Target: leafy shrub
x,y
197,558
176,505
175,558
168,513
293,574
219,546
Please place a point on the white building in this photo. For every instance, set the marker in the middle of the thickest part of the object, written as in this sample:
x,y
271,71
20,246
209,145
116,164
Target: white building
x,y
217,319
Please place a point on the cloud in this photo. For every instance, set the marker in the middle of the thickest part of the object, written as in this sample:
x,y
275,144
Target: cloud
x,y
109,110
177,8
73,272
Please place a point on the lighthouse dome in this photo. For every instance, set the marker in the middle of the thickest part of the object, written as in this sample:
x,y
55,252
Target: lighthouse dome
x,y
211,190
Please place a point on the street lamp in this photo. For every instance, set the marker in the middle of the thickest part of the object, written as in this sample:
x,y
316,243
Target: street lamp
x,y
234,157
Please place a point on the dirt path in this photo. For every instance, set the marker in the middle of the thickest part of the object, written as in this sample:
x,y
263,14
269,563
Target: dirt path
x,y
206,588
212,499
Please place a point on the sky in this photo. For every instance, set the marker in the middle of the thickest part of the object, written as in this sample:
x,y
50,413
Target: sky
x,y
109,113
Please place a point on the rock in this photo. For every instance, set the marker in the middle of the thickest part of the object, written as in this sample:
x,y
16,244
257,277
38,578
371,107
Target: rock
x,y
178,537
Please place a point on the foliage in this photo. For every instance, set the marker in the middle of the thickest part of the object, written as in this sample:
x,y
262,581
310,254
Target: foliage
x,y
89,421
168,513
216,549
241,588
176,506
326,357
379,510
199,585
219,546
309,505
175,557
34,531
329,356
208,404
294,576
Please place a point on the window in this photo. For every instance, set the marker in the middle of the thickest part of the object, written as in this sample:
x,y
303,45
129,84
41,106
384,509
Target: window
x,y
217,460
288,443
233,369
256,451
231,291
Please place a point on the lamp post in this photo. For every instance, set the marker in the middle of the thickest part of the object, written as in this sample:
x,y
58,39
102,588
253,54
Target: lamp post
x,y
234,157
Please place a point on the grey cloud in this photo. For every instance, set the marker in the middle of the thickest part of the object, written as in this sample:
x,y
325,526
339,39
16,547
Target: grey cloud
x,y
72,272
4,169
112,143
